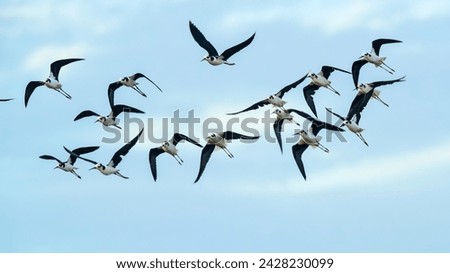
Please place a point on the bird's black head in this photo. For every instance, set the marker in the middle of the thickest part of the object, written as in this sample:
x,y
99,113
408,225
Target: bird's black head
x,y
271,97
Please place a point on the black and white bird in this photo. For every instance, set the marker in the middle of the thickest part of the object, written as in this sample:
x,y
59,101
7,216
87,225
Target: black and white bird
x,y
352,125
52,81
213,56
109,120
374,56
282,116
276,99
169,147
317,81
111,168
366,91
68,165
310,138
130,81
218,140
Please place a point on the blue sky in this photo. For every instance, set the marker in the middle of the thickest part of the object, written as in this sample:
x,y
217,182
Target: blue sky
x,y
389,197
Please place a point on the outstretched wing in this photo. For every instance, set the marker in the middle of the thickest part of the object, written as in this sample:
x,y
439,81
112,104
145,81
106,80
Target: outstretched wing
x,y
376,44
111,89
327,70
31,86
119,108
49,157
140,75
302,114
177,137
277,127
232,135
79,151
84,114
201,40
358,105
356,67
253,107
204,158
287,88
232,50
55,67
380,83
318,125
337,115
297,151
117,157
153,153
308,92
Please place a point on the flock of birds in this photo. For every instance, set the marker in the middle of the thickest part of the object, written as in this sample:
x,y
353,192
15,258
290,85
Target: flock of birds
x,y
219,140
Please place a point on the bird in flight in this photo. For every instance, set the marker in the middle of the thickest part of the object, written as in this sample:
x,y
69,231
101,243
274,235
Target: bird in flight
x,y
218,140
374,56
276,99
213,56
352,125
111,168
109,120
282,116
130,81
367,91
309,138
68,165
169,147
317,81
52,81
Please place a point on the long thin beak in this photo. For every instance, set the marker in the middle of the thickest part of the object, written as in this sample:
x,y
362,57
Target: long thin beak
x,y
202,59
362,56
55,167
92,168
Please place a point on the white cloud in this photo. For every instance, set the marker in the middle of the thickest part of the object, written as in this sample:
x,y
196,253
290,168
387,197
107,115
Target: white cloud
x,y
373,172
50,17
40,59
424,10
335,17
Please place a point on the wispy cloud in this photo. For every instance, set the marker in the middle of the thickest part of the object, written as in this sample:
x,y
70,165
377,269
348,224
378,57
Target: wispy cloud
x,y
50,17
374,172
40,58
332,18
